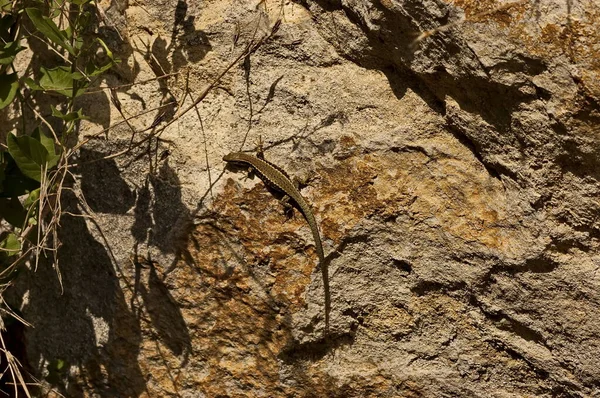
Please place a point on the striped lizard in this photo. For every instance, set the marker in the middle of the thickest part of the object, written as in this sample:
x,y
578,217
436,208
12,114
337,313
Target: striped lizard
x,y
276,178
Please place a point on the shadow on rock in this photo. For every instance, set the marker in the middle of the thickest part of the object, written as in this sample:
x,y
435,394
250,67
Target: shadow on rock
x,y
166,316
102,185
85,324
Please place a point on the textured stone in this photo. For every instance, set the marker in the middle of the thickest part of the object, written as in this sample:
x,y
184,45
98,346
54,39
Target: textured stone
x,y
455,180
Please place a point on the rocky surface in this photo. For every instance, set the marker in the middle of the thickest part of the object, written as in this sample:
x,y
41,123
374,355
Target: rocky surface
x,y
453,159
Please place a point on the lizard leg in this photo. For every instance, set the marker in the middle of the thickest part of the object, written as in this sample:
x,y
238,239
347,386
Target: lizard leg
x,y
260,153
298,183
251,173
288,208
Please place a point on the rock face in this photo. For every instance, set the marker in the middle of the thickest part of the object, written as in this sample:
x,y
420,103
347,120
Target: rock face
x,y
453,159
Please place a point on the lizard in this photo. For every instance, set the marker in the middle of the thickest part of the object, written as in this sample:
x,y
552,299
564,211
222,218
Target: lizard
x,y
276,178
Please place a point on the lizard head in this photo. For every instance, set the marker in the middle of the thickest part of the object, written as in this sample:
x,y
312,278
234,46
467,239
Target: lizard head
x,y
229,157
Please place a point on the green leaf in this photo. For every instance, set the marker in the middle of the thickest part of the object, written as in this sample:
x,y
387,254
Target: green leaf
x,y
35,134
68,117
109,53
56,8
67,33
8,52
93,70
53,160
12,211
29,154
11,243
48,143
59,79
15,182
8,89
79,42
77,76
32,198
48,28
31,204
32,84
5,5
